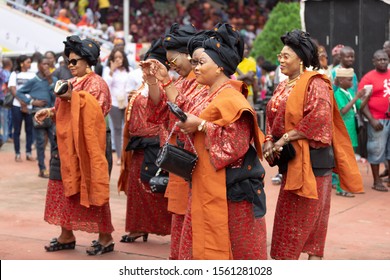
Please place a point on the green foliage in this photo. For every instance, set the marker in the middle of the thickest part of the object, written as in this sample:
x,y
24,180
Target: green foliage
x,y
283,18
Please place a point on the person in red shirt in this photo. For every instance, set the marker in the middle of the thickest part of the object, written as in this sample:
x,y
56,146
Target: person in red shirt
x,y
377,113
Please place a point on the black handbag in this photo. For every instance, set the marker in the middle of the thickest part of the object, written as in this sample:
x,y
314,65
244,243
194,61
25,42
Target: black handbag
x,y
287,154
177,160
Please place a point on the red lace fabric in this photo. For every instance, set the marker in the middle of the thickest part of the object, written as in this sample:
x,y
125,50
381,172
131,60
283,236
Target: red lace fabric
x,y
190,99
227,145
316,123
97,87
177,226
301,224
146,211
68,213
248,235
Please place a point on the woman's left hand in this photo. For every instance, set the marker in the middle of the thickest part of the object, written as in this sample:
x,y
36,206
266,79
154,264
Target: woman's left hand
x,y
268,152
190,125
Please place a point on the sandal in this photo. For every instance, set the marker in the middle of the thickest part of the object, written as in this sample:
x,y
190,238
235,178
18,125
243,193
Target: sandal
x,y
98,249
130,239
380,188
345,194
57,246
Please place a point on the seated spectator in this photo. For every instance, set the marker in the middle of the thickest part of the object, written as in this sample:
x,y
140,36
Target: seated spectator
x,y
63,17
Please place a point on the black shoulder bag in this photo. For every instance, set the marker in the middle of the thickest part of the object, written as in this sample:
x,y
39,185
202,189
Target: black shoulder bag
x,y
177,160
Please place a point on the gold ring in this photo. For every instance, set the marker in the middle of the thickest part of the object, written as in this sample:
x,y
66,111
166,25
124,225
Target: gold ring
x,y
266,154
274,149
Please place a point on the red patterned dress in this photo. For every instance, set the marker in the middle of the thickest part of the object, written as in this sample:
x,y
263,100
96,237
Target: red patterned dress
x,y
190,94
66,211
226,147
300,223
146,211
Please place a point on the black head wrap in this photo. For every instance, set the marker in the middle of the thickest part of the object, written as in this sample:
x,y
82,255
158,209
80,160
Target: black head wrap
x,y
197,40
226,48
178,36
158,52
87,48
302,44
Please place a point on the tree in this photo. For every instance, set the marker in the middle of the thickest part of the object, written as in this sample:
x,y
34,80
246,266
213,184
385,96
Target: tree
x,y
283,18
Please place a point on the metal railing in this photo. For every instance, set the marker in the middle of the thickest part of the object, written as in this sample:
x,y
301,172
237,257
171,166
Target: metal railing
x,y
71,27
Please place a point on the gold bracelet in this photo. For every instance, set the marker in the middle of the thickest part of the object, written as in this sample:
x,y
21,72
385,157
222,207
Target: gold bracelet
x,y
48,113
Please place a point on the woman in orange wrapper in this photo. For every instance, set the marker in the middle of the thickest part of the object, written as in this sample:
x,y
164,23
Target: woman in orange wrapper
x,y
183,90
146,211
302,112
78,190
221,222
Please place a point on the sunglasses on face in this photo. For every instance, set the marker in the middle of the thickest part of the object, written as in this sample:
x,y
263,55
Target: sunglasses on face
x,y
73,61
173,61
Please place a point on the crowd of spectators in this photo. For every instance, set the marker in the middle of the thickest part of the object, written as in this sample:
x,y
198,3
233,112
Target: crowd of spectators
x,y
150,18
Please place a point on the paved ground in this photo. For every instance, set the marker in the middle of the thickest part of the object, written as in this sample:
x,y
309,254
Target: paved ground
x,y
359,228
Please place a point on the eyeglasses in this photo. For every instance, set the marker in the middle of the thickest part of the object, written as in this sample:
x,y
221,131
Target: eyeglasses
x,y
194,62
173,61
73,61
285,56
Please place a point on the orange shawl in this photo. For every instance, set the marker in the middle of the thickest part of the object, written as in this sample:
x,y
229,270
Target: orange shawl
x,y
126,155
301,179
81,137
209,210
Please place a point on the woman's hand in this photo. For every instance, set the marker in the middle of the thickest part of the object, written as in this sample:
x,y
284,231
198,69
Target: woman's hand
x,y
154,68
268,151
115,65
42,114
190,125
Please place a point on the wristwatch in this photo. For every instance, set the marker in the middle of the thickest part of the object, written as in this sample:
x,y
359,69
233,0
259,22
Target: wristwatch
x,y
286,138
200,127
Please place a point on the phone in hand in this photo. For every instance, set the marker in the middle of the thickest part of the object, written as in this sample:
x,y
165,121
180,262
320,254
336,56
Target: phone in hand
x,y
177,111
61,87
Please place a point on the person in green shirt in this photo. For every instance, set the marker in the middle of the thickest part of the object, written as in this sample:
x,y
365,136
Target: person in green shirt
x,y
349,104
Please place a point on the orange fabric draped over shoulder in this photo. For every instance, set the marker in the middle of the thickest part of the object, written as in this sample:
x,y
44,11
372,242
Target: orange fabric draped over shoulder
x,y
126,155
300,176
81,138
209,210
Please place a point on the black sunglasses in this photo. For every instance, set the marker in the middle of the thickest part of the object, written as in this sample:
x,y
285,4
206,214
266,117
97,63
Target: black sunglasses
x,y
73,61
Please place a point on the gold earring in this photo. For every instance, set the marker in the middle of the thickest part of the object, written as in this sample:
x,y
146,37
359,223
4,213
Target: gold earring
x,y
218,71
302,68
88,70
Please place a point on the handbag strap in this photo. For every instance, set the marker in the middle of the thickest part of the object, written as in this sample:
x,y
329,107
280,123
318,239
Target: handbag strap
x,y
188,137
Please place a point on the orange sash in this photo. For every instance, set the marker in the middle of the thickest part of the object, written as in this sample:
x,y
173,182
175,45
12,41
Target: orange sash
x,y
209,210
81,138
301,179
